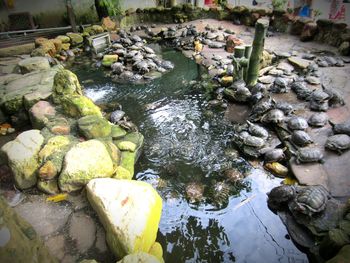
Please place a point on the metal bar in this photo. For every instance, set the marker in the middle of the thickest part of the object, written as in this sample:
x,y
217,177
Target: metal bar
x,y
37,30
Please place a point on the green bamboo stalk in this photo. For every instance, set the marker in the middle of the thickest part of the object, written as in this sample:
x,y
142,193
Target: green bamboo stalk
x,y
258,48
239,51
247,54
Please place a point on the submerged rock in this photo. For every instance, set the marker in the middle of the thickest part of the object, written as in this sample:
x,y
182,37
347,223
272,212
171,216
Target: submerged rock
x,y
83,162
129,211
22,155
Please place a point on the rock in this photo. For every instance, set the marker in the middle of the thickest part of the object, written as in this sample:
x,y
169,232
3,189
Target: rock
x,y
22,155
64,39
3,118
231,42
157,251
126,146
31,98
152,75
108,24
226,80
79,106
136,138
65,83
55,245
75,38
94,126
65,46
39,114
56,215
19,242
48,47
344,48
108,60
117,132
32,64
85,161
82,231
129,211
299,62
38,52
48,187
342,256
140,257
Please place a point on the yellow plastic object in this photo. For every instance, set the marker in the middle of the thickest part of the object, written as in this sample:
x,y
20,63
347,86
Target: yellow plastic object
x,y
277,169
290,181
57,198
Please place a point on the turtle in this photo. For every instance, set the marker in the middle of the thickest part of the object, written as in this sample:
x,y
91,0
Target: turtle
x,y
233,175
220,193
277,169
117,68
274,155
116,116
280,196
256,97
338,143
127,125
168,65
136,38
120,52
257,130
301,90
258,87
309,200
280,85
134,47
242,94
309,155
341,128
253,141
301,138
148,50
297,123
141,66
261,108
319,95
273,116
285,107
319,106
318,119
194,192
335,98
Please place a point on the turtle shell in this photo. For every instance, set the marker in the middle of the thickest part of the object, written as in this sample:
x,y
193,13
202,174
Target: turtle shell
x,y
338,142
273,116
257,130
301,138
319,95
318,119
220,193
280,195
309,155
341,128
309,200
274,155
297,123
254,141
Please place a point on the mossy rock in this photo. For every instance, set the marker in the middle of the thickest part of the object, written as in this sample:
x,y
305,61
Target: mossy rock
x,y
140,257
94,126
65,83
48,187
126,146
83,162
117,132
108,60
75,38
64,39
77,106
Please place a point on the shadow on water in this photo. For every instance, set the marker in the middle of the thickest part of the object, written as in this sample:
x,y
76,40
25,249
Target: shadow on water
x,y
185,147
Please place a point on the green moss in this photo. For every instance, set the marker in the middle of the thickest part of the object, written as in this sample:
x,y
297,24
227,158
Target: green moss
x,y
126,146
79,106
48,187
117,132
128,161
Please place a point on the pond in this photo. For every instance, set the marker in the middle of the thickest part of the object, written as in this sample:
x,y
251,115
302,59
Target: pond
x,y
185,146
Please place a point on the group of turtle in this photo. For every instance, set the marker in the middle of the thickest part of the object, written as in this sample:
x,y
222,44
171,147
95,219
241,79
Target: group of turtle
x,y
136,60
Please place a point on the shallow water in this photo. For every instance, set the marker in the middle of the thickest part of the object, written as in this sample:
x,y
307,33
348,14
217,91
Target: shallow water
x,y
184,146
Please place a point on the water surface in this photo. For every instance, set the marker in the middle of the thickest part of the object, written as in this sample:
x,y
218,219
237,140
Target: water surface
x,y
185,145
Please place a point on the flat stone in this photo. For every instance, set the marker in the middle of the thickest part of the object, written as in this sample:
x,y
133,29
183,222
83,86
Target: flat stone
x,y
82,231
286,67
40,113
33,63
299,62
45,217
55,245
266,79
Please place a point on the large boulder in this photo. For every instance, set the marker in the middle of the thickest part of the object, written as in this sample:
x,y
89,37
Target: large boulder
x,y
83,162
34,63
22,155
129,211
65,83
78,106
18,240
94,126
140,257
